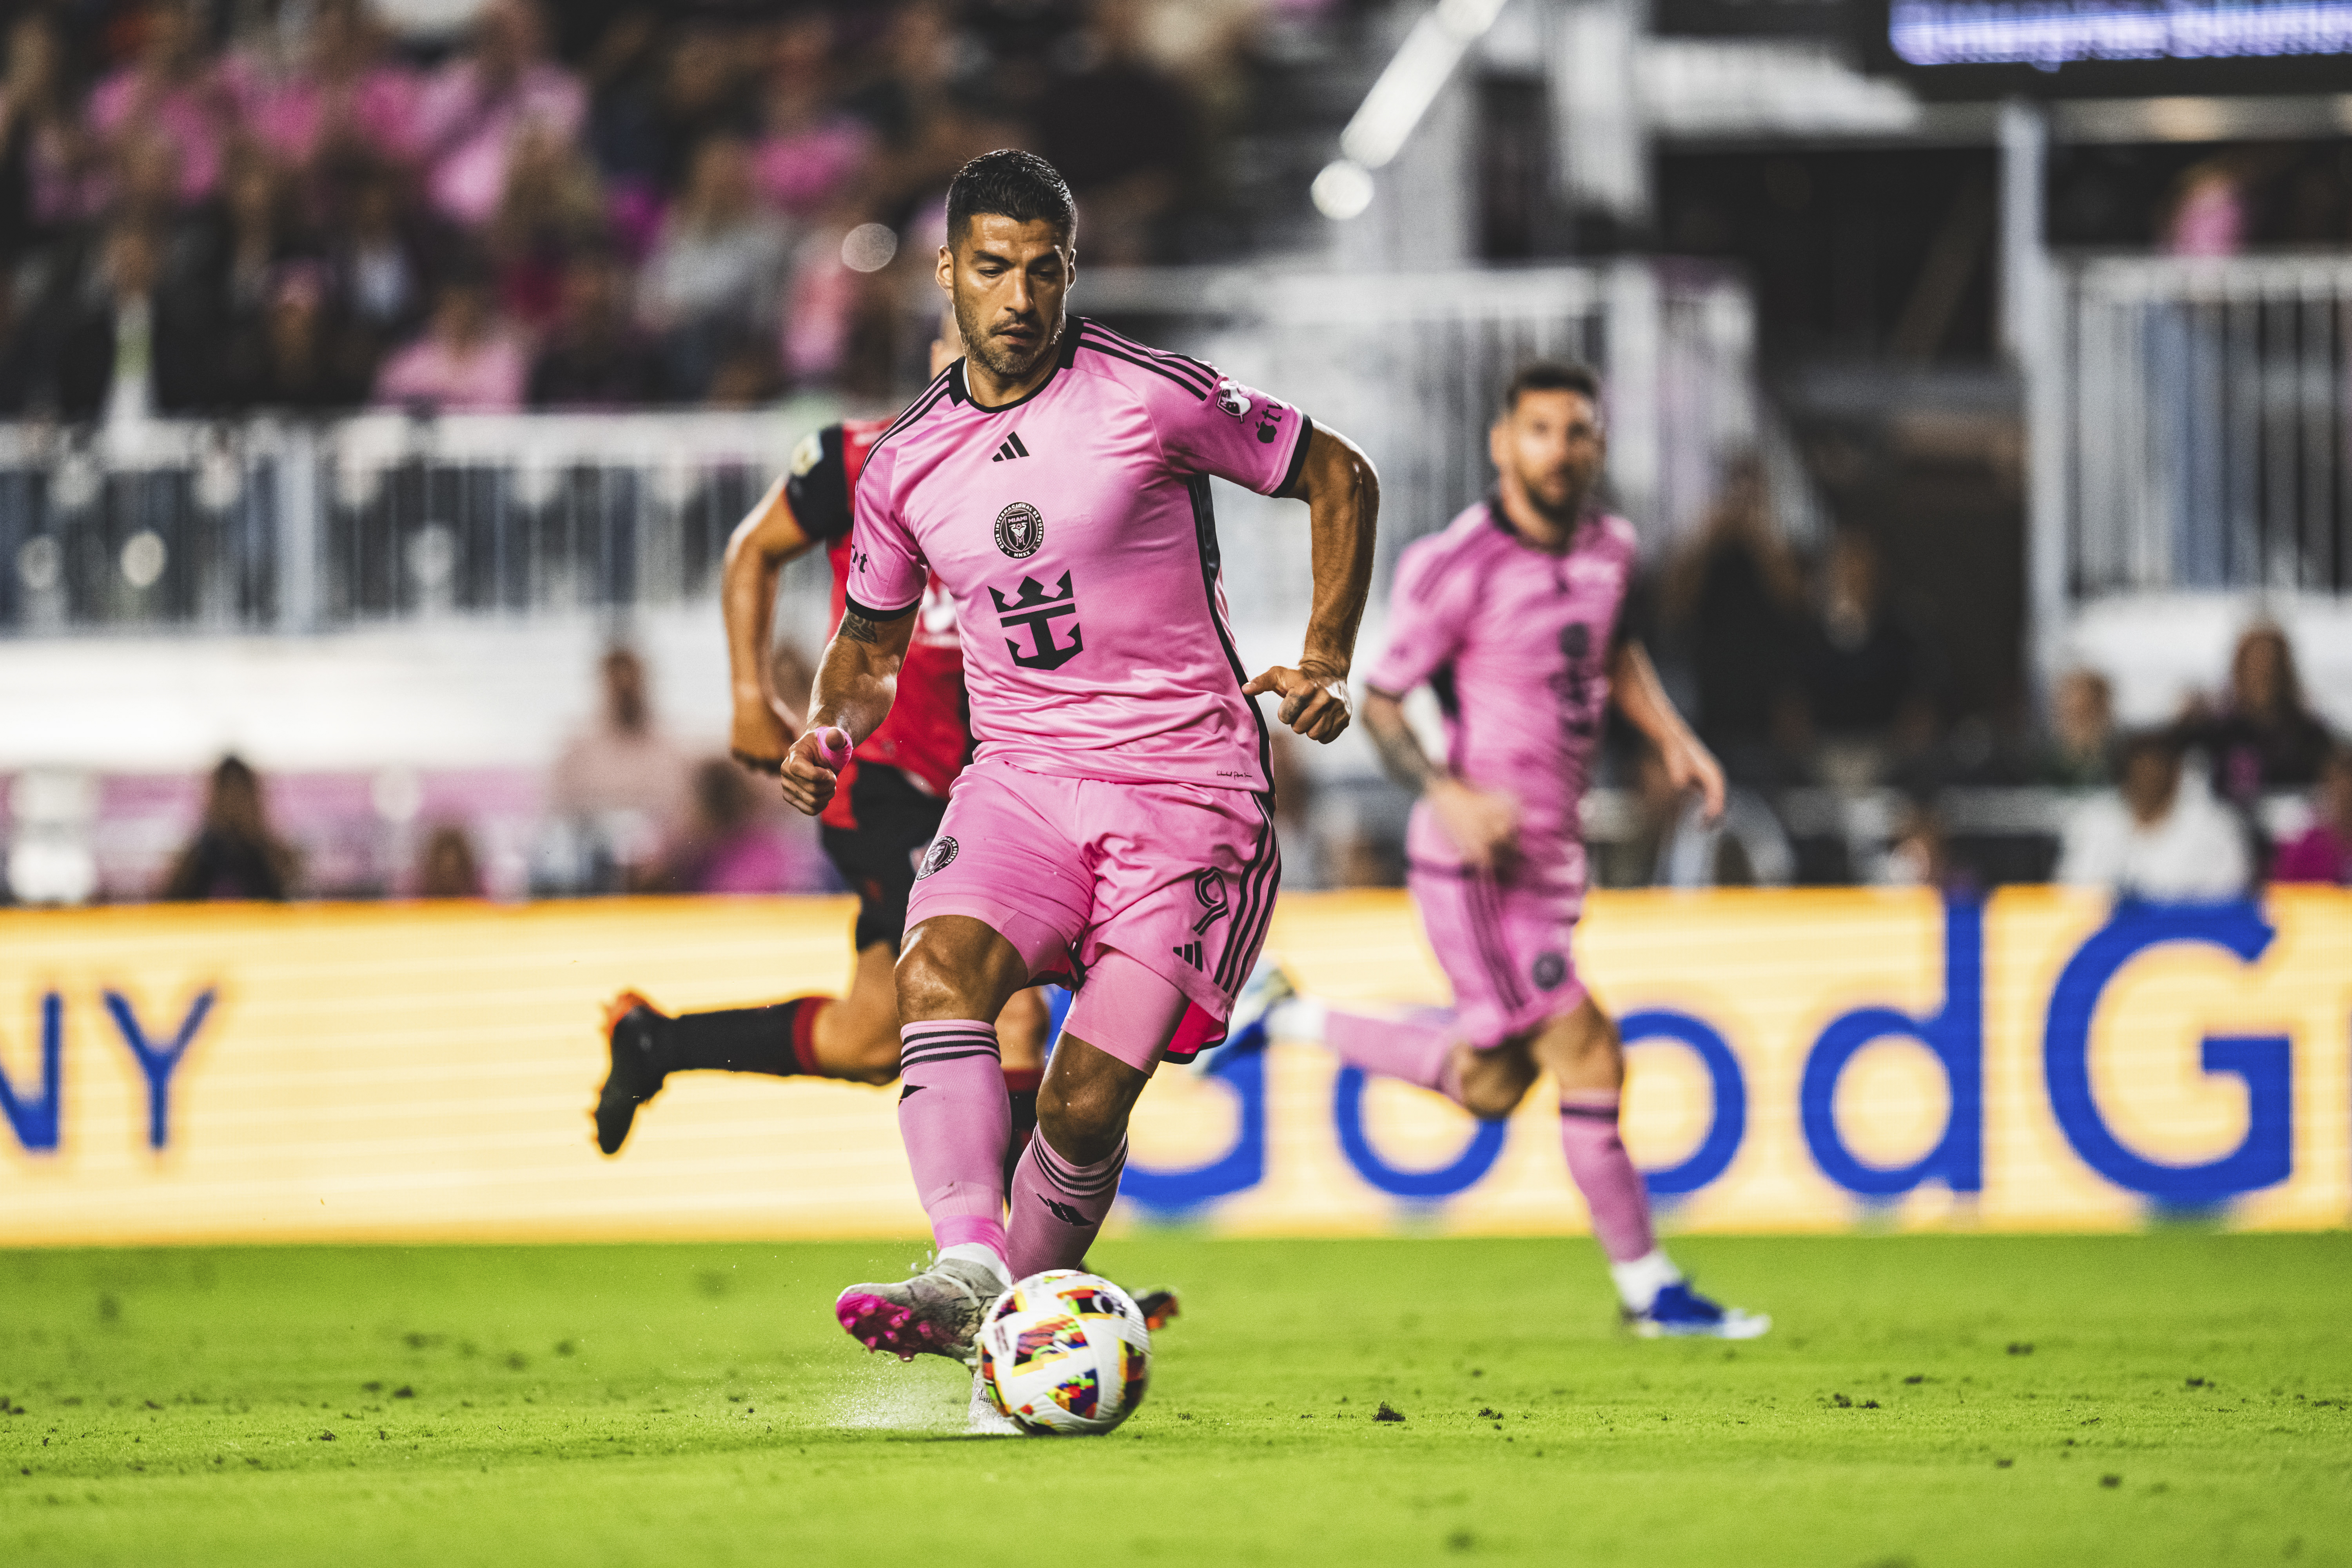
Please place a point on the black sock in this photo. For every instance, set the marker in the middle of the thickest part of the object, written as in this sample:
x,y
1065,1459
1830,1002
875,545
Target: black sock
x,y
738,1039
1021,1088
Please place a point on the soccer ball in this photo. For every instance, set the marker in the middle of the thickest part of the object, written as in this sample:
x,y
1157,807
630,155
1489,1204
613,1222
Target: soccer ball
x,y
1065,1353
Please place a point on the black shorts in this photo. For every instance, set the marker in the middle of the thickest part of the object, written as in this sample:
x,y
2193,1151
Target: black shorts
x,y
896,824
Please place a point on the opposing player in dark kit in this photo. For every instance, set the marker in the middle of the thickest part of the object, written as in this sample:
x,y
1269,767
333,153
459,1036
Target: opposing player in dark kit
x,y
876,829
1116,827
1512,615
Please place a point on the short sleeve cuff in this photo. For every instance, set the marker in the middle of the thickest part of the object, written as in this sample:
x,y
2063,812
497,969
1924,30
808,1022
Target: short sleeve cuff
x,y
877,615
1297,457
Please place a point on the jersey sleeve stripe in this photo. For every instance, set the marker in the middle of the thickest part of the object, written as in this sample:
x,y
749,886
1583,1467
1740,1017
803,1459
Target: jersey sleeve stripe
x,y
922,404
1184,364
1297,457
1107,351
849,602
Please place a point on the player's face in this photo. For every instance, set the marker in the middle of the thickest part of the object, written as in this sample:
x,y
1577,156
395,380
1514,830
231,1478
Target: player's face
x,y
1010,282
1552,446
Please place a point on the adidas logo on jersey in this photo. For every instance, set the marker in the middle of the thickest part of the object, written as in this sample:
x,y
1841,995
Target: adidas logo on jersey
x,y
1190,952
1011,449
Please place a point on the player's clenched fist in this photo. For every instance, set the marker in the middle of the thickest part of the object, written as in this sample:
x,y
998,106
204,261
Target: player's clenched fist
x,y
1313,705
1484,824
813,767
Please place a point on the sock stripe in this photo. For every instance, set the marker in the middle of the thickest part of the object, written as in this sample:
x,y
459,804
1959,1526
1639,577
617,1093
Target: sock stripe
x,y
915,1058
944,1040
910,1061
1590,1112
1070,1180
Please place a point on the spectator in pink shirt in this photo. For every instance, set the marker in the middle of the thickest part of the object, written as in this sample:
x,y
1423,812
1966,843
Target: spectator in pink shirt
x,y
51,175
345,96
2324,852
809,149
472,111
171,91
469,360
728,847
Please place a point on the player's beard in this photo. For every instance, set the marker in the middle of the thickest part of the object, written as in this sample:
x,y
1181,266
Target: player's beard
x,y
1564,512
1001,362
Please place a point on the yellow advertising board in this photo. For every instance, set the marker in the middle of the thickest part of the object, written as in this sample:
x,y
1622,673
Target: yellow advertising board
x,y
1799,1060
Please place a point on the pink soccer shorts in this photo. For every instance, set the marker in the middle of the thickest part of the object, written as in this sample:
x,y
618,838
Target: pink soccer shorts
x,y
1178,877
1504,946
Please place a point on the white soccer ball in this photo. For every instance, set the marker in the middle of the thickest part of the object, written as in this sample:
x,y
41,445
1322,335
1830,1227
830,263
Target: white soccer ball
x,y
1065,1353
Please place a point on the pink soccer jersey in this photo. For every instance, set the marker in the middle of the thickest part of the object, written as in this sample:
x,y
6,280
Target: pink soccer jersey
x,y
1073,529
1515,641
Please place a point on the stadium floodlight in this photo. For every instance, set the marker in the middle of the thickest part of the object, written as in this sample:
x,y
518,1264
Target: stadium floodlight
x,y
1407,87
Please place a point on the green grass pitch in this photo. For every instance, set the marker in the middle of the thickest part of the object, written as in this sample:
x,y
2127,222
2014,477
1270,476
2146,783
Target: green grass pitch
x,y
2178,1397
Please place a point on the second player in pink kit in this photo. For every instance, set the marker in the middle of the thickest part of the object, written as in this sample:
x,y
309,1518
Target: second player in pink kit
x,y
1513,617
1115,829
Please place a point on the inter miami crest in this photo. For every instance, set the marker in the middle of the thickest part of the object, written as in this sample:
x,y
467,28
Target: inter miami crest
x,y
943,855
1020,530
1549,970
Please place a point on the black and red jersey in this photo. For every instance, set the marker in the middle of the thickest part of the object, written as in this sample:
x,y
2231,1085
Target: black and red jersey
x,y
928,736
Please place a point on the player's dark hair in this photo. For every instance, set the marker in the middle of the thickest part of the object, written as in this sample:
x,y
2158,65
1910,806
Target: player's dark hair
x,y
1552,375
1011,183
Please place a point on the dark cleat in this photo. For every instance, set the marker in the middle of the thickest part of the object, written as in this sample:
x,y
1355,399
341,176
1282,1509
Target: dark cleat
x,y
632,1038
1159,1309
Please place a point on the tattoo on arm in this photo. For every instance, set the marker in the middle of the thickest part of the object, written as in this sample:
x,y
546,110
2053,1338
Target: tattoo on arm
x,y
857,628
1401,752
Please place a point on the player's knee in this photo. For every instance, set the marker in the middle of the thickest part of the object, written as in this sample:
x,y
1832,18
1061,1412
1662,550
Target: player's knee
x,y
1492,1099
1083,1120
931,981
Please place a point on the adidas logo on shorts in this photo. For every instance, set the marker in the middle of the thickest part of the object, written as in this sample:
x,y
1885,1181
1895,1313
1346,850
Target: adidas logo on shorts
x,y
1190,952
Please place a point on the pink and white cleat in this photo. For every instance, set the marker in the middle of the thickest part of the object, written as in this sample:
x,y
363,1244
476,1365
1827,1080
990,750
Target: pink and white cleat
x,y
937,1312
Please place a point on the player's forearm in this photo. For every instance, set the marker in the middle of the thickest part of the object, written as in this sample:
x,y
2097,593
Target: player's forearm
x,y
747,599
1401,754
756,554
1343,491
1641,697
858,677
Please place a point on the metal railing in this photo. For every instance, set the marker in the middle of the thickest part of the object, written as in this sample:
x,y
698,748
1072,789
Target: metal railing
x,y
2207,424
265,524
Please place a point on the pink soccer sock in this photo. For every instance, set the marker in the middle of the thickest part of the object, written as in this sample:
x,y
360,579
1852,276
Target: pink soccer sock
x,y
1604,1173
1058,1208
956,1123
1419,1048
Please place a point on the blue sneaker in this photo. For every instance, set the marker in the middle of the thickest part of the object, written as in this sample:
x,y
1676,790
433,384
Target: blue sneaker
x,y
1246,1031
1678,1311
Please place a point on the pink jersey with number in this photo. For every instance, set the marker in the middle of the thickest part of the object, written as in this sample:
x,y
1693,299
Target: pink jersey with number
x,y
1516,642
1072,528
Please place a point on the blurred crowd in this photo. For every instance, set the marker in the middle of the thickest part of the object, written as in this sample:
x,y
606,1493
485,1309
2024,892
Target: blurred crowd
x,y
2245,788
1810,684
627,807
283,203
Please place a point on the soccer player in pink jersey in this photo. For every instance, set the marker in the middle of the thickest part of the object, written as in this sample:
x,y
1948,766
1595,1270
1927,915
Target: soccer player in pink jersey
x,y
1513,617
1116,827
